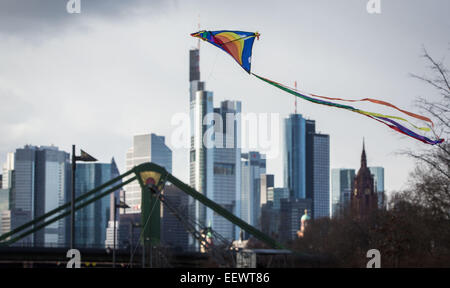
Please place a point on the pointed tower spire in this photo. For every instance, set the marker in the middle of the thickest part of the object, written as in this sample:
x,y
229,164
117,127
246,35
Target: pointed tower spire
x,y
363,156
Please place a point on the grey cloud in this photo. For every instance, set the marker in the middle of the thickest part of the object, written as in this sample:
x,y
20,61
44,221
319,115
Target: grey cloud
x,y
36,16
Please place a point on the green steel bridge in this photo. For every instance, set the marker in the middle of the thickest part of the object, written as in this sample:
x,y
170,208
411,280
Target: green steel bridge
x,y
152,179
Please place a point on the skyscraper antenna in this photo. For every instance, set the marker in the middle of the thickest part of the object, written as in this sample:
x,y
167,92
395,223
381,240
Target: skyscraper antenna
x,y
295,85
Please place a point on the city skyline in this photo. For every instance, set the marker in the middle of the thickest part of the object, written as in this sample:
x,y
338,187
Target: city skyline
x,y
34,120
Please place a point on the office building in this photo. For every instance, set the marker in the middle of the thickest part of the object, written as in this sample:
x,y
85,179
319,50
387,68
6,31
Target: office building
x,y
321,176
201,155
38,179
378,177
270,220
146,148
4,199
306,163
276,194
173,232
7,170
92,220
129,232
341,189
227,168
291,212
253,166
267,181
295,155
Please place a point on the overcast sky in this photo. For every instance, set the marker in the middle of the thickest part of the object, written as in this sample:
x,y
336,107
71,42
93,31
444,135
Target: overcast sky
x,y
121,68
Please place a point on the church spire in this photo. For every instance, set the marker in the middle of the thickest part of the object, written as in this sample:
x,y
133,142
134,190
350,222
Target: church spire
x,y
363,157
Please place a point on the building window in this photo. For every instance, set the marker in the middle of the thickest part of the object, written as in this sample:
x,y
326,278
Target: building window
x,y
223,169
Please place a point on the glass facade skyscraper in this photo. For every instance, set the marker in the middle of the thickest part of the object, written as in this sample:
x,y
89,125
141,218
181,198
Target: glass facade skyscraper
x,y
267,181
295,155
276,194
39,181
146,148
227,168
378,177
5,192
201,154
173,232
7,170
307,163
341,189
253,166
92,220
321,176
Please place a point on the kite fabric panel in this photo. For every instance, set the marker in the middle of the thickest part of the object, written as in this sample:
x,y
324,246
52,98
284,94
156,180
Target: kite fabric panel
x,y
239,45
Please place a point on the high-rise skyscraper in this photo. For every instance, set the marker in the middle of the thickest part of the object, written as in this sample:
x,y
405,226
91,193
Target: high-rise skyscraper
x,y
267,181
227,167
4,199
5,193
201,159
307,163
341,189
146,148
253,166
92,220
8,168
4,206
321,176
295,155
378,177
40,182
173,232
310,132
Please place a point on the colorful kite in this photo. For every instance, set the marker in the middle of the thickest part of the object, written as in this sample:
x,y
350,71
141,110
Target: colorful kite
x,y
239,45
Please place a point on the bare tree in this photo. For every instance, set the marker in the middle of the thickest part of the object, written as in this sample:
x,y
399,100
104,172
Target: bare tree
x,y
430,182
